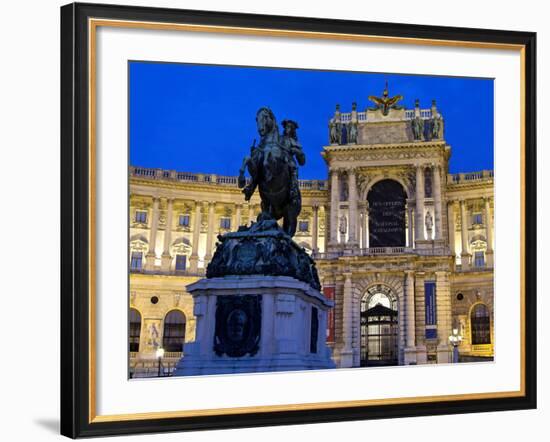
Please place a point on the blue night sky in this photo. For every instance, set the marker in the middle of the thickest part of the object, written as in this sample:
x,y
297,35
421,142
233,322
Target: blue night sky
x,y
196,118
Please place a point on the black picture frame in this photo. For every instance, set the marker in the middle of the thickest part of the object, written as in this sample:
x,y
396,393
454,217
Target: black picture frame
x,y
76,249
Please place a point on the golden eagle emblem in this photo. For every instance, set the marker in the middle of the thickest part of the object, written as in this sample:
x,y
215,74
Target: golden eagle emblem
x,y
385,102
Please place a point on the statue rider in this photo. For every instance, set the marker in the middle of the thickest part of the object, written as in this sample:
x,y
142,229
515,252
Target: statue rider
x,y
294,150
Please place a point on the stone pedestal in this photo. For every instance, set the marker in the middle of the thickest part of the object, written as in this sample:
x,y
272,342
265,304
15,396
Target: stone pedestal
x,y
409,356
346,358
421,354
430,244
465,261
256,323
166,262
489,258
444,354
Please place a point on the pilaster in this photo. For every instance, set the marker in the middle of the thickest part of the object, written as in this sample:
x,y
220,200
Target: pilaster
x,y
334,209
210,234
346,355
489,231
151,254
166,259
410,338
193,261
437,201
419,224
444,316
420,318
352,201
465,254
315,228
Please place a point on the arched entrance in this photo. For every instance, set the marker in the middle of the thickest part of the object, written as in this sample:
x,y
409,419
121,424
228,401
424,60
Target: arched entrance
x,y
387,200
379,327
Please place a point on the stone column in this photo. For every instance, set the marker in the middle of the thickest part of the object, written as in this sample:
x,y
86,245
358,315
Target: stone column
x,y
364,227
451,226
334,202
410,336
420,318
410,321
166,257
419,224
489,232
150,260
238,215
352,201
410,225
210,234
315,229
444,316
465,255
436,181
326,214
194,260
346,355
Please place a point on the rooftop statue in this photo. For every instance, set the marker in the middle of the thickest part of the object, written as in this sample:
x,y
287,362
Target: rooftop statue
x,y
385,102
273,170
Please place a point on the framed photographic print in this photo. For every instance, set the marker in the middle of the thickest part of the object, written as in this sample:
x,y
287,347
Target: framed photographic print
x,y
275,220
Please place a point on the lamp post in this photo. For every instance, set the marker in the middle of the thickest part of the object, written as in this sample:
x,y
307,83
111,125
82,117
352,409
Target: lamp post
x,y
455,339
160,354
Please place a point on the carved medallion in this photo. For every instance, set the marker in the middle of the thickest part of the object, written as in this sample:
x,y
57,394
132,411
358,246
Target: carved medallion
x,y
238,325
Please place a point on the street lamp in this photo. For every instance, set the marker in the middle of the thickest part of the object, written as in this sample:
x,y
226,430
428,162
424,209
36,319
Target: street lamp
x,y
455,340
160,354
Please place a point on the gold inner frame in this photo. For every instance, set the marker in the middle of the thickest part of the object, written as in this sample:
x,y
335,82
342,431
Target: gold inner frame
x,y
93,24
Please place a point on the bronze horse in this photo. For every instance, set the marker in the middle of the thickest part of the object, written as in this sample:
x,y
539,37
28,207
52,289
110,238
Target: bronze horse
x,y
271,166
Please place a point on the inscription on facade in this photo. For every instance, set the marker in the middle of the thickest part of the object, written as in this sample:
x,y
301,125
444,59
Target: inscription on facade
x,y
386,214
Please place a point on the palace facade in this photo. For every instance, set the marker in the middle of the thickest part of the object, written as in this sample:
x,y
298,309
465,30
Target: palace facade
x,y
404,248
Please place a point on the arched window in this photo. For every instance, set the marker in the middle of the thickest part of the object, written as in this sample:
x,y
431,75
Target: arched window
x,y
174,331
135,329
480,324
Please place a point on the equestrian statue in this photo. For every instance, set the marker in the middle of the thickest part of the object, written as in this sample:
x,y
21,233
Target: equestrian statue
x,y
273,170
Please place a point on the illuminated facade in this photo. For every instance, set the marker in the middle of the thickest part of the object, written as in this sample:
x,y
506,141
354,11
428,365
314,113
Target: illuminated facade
x,y
404,248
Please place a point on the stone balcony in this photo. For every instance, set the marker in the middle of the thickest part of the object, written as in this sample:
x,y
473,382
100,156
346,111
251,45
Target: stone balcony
x,y
470,177
383,251
201,272
425,114
202,178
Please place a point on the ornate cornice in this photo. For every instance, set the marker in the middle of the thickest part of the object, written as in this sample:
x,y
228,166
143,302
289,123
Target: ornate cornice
x,y
409,151
205,187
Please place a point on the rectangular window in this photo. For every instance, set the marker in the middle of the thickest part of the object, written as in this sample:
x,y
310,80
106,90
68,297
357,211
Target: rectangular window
x,y
141,217
479,259
181,261
184,220
136,261
225,223
303,226
477,218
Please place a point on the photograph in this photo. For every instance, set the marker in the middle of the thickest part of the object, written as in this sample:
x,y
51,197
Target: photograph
x,y
299,219
275,220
